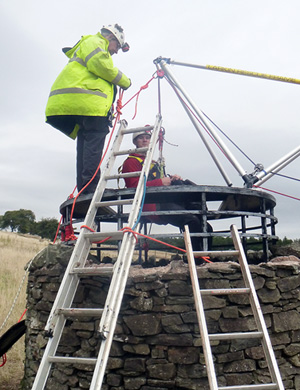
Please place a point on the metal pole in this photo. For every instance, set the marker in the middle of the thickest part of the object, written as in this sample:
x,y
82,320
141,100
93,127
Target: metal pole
x,y
238,72
229,155
269,172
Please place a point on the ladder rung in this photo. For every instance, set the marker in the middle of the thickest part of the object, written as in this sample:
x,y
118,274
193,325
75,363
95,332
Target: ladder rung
x,y
136,130
129,151
63,359
98,236
75,312
216,253
265,386
123,175
236,335
225,291
114,203
103,271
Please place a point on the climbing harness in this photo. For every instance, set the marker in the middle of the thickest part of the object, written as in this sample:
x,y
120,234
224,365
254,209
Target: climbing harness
x,y
155,168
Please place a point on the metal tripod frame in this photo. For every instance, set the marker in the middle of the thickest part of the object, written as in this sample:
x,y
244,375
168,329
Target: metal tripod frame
x,y
260,174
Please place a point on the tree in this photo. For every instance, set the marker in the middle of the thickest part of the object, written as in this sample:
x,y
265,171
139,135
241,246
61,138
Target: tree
x,y
18,220
23,221
46,228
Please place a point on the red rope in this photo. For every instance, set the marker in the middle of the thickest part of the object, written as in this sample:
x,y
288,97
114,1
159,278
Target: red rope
x,y
275,192
71,196
24,312
127,229
57,230
4,360
137,96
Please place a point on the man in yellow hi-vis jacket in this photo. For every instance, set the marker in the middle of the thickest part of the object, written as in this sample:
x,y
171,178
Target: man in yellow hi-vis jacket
x,y
81,97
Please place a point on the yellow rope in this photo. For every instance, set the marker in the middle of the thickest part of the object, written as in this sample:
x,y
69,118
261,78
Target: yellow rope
x,y
253,74
238,71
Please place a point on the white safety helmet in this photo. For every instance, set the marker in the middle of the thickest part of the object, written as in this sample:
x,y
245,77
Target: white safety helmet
x,y
118,33
143,132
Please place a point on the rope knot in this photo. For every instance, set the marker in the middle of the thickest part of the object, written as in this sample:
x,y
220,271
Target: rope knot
x,y
69,234
128,229
160,73
119,106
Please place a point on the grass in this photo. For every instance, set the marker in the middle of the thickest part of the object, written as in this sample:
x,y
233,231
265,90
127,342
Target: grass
x,y
15,252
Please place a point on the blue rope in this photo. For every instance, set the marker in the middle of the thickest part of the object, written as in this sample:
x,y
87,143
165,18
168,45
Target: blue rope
x,y
142,204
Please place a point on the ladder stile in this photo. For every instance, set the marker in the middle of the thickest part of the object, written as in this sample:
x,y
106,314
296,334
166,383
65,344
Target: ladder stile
x,y
108,324
200,313
257,312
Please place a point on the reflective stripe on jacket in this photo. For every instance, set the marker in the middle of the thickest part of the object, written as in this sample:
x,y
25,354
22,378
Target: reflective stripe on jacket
x,y
85,86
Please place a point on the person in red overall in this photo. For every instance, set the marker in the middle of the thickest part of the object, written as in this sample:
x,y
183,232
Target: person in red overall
x,y
134,163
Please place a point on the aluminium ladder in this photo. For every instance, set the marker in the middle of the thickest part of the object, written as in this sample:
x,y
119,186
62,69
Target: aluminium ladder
x,y
249,289
62,307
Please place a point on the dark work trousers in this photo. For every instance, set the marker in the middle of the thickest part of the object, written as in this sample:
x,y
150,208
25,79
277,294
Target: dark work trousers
x,y
193,221
90,142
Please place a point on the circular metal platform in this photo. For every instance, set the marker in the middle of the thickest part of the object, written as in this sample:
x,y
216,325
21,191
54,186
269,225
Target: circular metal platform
x,y
212,202
233,199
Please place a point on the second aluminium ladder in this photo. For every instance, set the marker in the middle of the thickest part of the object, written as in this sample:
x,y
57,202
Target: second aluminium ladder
x,y
62,307
249,289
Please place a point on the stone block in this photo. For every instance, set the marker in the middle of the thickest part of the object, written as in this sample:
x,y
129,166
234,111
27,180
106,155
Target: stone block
x,y
286,321
143,325
183,355
244,365
162,371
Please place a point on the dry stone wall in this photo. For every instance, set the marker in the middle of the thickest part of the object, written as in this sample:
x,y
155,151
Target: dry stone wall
x,y
157,343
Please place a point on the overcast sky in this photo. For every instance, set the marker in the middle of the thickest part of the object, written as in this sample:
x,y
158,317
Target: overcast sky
x,y
37,162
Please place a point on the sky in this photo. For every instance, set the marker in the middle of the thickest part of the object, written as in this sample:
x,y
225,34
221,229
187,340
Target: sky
x,y
37,162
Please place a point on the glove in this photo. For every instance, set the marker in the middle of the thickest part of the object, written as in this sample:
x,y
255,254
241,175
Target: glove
x,y
126,87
